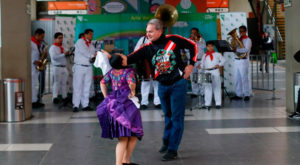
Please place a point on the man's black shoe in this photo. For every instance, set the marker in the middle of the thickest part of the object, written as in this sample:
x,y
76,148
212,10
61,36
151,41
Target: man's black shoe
x,y
158,106
65,101
170,155
294,114
218,107
247,98
193,96
37,105
56,100
75,109
236,98
208,107
88,108
163,149
143,107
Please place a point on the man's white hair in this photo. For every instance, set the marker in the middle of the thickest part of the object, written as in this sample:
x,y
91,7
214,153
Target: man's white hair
x,y
157,23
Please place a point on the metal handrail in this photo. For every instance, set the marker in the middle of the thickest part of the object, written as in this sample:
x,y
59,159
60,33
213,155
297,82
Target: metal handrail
x,y
273,19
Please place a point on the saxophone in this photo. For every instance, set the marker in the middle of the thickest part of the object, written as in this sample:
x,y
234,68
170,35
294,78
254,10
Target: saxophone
x,y
235,42
43,61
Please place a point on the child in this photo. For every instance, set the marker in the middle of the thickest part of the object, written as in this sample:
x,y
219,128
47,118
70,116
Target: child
x,y
118,115
211,62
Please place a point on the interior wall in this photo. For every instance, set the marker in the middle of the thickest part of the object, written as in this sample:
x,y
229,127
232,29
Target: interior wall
x,y
15,51
239,5
1,86
292,46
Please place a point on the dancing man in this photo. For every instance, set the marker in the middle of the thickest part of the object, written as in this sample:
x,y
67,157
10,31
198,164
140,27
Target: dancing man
x,y
163,52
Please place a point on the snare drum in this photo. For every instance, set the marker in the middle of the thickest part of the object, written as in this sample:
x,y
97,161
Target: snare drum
x,y
207,78
199,77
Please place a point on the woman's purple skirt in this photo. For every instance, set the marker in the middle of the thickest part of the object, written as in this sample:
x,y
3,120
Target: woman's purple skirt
x,y
119,117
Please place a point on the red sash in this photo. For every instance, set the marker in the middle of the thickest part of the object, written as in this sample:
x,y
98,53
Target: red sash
x,y
87,42
243,37
60,46
210,54
38,43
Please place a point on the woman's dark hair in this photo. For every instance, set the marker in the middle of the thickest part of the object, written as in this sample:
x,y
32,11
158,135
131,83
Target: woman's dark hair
x,y
116,62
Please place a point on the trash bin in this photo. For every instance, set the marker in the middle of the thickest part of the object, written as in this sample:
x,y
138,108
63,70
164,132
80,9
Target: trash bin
x,y
14,100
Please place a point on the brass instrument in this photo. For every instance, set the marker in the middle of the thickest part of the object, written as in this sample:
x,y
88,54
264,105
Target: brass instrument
x,y
235,42
167,14
43,61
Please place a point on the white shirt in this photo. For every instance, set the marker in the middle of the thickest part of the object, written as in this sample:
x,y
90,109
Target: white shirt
x,y
57,58
207,63
247,44
102,62
35,55
83,53
140,43
201,46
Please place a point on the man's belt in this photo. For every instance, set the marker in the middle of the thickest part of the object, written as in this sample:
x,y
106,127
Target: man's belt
x,y
199,59
241,58
62,66
209,69
84,65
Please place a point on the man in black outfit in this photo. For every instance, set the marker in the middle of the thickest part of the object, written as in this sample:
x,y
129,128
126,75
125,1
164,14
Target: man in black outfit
x,y
266,48
163,52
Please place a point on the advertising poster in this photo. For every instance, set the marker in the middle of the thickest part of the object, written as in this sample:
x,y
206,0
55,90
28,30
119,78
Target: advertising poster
x,y
125,29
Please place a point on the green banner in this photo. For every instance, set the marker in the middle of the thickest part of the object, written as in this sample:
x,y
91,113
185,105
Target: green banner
x,y
126,29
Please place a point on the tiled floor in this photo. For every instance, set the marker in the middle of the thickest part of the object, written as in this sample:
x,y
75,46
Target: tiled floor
x,y
255,133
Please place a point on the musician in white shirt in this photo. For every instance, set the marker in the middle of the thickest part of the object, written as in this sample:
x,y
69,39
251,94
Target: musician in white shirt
x,y
199,40
210,63
242,87
59,70
147,79
36,51
83,72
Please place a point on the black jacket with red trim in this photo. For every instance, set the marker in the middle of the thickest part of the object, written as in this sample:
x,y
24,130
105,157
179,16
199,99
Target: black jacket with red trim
x,y
165,56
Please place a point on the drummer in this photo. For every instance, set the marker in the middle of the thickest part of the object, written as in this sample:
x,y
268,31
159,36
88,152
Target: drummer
x,y
210,63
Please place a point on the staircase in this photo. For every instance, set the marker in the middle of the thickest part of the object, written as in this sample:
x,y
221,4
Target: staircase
x,y
281,26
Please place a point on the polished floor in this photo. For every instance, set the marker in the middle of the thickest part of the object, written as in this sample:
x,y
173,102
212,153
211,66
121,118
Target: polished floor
x,y
257,132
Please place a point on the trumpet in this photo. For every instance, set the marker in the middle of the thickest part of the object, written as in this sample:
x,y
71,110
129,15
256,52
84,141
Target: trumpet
x,y
235,42
44,59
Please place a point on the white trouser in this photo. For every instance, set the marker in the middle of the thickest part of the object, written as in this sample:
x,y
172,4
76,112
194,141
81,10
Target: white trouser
x,y
241,78
34,83
92,89
82,80
195,86
213,88
145,89
60,78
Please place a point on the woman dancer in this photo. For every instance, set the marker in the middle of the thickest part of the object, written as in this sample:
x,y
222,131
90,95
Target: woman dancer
x,y
118,115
